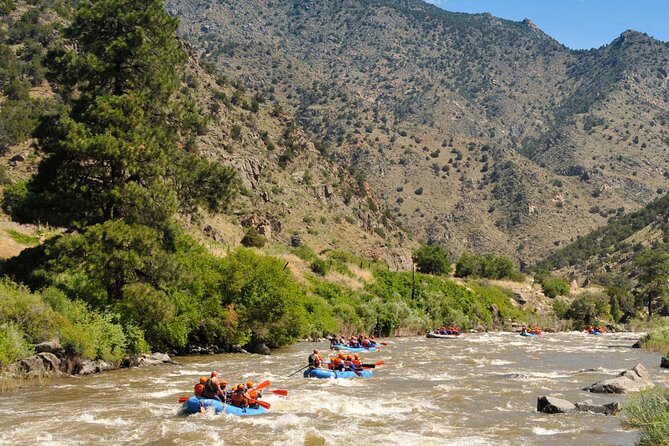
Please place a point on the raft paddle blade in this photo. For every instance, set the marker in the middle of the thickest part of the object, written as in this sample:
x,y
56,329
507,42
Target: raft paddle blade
x,y
263,384
183,399
264,404
282,392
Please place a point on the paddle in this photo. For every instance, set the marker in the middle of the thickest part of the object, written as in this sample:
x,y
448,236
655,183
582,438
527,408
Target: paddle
x,y
282,392
297,371
264,404
183,399
262,385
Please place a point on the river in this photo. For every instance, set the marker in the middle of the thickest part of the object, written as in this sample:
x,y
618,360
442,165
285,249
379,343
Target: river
x,y
480,389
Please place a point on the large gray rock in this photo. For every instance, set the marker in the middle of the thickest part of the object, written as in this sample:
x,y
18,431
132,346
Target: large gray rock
x,y
551,404
52,346
632,380
604,409
32,366
89,368
50,361
665,362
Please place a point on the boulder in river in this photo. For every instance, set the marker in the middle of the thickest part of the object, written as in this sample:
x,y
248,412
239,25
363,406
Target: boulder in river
x,y
631,380
665,362
551,404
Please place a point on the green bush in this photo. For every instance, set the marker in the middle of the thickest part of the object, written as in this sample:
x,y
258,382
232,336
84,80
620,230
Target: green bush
x,y
590,308
656,341
432,259
252,239
320,267
554,286
648,411
13,346
489,266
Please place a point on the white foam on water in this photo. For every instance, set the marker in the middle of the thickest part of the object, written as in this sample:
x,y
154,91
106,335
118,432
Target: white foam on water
x,y
176,392
543,432
91,419
501,362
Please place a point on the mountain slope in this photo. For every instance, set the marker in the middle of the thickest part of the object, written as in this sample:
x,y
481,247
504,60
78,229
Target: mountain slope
x,y
291,192
479,133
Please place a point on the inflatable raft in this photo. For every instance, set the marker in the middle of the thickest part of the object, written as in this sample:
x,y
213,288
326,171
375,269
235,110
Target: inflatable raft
x,y
442,336
595,333
530,335
325,374
193,404
354,349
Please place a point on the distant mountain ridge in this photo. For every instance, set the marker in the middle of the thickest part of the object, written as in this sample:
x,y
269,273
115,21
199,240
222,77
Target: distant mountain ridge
x,y
479,133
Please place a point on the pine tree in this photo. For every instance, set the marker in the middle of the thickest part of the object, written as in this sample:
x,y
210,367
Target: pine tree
x,y
122,148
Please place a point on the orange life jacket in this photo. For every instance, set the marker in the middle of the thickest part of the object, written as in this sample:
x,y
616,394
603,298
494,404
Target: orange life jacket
x,y
356,362
239,399
198,389
253,396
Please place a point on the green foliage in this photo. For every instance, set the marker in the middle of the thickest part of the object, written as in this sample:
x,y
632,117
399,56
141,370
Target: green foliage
x,y
22,238
29,318
320,267
432,259
553,286
590,308
489,266
656,341
107,156
648,411
252,239
611,236
653,276
13,346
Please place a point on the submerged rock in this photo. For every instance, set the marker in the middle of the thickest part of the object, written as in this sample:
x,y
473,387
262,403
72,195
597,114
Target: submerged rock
x,y
631,380
551,404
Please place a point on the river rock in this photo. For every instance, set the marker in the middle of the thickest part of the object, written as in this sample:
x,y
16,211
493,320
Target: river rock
x,y
50,361
631,380
237,349
664,363
551,404
604,409
52,346
258,347
32,366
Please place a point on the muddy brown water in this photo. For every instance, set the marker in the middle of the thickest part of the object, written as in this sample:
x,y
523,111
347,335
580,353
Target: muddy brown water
x,y
480,389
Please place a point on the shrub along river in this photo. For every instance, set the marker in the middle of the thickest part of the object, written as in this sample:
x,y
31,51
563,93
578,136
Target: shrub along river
x,y
480,389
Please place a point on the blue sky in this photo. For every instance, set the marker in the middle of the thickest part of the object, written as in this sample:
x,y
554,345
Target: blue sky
x,y
579,24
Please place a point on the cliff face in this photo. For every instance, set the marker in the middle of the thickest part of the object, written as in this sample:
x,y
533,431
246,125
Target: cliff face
x,y
478,133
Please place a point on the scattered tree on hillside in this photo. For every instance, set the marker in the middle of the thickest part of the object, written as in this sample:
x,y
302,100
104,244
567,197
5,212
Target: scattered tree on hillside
x,y
432,259
653,270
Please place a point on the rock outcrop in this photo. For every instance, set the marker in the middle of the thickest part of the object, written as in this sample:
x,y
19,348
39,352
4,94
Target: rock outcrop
x,y
552,405
665,362
631,380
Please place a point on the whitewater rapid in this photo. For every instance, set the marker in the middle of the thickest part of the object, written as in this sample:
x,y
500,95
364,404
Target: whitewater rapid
x,y
480,389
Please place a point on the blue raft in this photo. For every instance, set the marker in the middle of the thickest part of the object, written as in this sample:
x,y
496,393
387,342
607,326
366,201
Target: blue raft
x,y
529,335
596,333
193,404
354,349
325,374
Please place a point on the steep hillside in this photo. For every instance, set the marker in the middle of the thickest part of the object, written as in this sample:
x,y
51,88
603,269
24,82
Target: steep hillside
x,y
479,133
291,193
612,247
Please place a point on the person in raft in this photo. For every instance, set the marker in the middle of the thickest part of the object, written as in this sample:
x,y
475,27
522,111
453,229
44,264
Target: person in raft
x,y
333,341
240,396
254,395
215,388
315,360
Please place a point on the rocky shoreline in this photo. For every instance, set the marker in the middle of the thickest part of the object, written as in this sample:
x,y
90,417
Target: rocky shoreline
x,y
50,361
